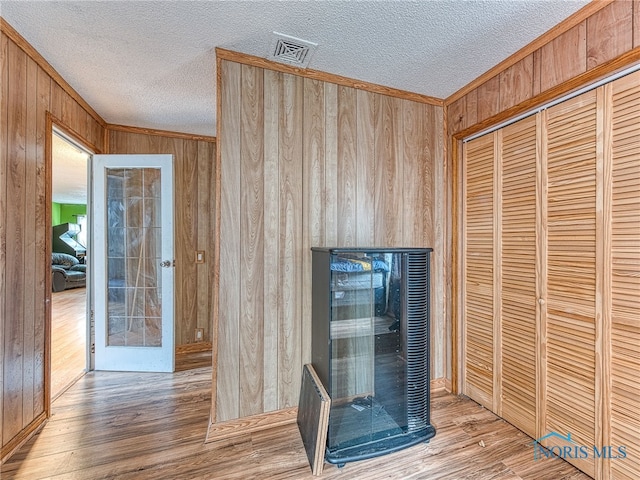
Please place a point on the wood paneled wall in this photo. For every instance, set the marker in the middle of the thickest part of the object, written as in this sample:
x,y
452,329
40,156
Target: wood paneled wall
x,y
303,163
194,169
28,92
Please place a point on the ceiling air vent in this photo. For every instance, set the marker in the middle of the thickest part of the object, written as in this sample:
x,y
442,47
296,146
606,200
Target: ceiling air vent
x,y
291,50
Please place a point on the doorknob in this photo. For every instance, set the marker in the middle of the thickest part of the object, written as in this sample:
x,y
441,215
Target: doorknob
x,y
167,263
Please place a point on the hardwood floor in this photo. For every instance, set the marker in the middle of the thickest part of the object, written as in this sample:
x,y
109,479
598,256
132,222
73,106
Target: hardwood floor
x,y
68,338
153,426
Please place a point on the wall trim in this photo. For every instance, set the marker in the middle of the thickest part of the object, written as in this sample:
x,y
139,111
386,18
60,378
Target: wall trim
x,y
246,59
32,53
251,424
163,133
25,435
438,384
562,27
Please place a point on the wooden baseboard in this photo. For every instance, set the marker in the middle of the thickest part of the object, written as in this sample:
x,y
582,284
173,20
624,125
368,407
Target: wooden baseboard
x,y
194,347
25,435
438,384
254,423
447,385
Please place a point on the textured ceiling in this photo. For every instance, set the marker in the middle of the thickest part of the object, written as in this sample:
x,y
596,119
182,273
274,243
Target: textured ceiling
x,y
152,63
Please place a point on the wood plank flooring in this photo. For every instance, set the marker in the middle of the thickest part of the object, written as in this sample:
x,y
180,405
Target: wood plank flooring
x,y
68,338
153,426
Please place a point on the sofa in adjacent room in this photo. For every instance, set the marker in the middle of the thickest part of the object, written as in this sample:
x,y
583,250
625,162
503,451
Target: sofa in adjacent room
x,y
67,272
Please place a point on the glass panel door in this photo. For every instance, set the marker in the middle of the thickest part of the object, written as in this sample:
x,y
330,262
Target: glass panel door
x,y
134,241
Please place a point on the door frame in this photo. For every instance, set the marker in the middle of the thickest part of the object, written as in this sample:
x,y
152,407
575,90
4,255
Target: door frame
x,y
74,137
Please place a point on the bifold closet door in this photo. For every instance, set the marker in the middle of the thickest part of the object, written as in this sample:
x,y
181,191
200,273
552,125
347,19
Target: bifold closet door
x,y
478,271
571,273
517,263
500,272
625,276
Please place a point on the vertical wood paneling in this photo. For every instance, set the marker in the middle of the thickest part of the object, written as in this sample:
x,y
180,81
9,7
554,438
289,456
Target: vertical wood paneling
x,y
571,272
478,312
347,167
251,242
366,170
14,348
331,168
29,265
4,155
516,83
416,167
290,253
186,238
438,222
537,72
321,177
272,81
56,100
229,134
609,33
314,192
636,23
471,108
456,113
625,275
388,180
564,57
488,102
518,252
206,235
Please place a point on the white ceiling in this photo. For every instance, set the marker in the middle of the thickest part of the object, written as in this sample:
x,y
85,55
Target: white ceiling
x,y
152,63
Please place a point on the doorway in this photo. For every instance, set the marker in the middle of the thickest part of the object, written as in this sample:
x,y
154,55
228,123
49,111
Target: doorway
x,y
69,247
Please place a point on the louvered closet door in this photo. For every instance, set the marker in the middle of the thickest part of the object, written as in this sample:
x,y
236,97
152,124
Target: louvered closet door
x,y
571,272
518,263
625,273
478,269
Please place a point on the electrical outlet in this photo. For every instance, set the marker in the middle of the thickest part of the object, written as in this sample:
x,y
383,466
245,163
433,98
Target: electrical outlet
x,y
199,256
199,334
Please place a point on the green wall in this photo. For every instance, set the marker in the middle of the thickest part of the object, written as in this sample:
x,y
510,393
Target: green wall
x,y
64,212
55,213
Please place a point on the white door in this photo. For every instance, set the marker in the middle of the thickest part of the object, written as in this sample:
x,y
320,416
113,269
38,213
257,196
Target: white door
x,y
132,260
